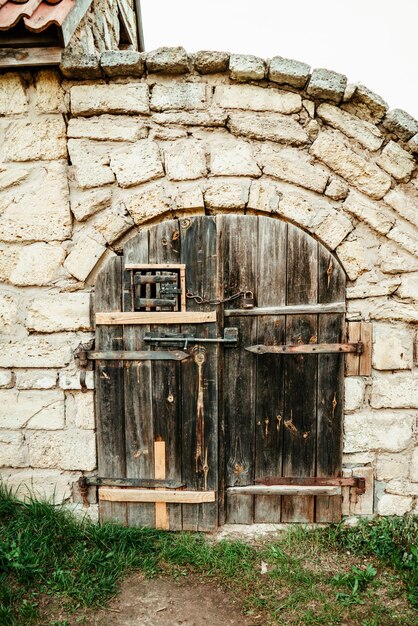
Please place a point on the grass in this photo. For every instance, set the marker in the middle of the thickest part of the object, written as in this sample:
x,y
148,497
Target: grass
x,y
366,574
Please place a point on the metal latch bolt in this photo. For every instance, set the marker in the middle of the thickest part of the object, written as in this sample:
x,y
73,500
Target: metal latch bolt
x,y
230,339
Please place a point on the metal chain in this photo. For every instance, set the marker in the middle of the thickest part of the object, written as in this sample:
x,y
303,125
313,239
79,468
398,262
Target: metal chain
x,y
202,300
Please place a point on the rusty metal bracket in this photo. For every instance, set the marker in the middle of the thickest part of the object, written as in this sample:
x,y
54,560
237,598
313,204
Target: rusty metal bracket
x,y
308,348
358,482
145,483
230,339
82,362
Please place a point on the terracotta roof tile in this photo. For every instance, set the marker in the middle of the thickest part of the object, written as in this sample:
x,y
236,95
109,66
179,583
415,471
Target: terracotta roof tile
x,y
37,15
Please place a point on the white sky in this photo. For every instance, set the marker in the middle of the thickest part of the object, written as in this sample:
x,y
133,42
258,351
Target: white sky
x,y
371,41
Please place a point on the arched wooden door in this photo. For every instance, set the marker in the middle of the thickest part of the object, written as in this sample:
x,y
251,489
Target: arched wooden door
x,y
193,429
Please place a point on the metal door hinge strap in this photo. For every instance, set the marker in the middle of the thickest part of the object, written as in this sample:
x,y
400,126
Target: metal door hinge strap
x,y
230,338
354,481
308,348
145,483
137,355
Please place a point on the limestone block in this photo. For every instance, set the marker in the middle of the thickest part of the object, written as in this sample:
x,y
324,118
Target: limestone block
x,y
13,449
401,124
33,141
288,72
386,431
406,236
309,106
122,63
394,505
113,223
246,67
49,93
150,202
337,189
391,466
396,161
374,214
36,351
367,134
32,409
414,466
355,169
401,487
161,133
264,196
47,485
363,505
393,311
207,62
271,126
41,212
354,390
372,284
211,117
368,104
138,164
227,194
58,312
90,202
69,379
131,98
83,257
37,264
80,64
232,157
36,379
190,197
393,260
185,160
168,61
326,85
358,458
7,380
11,177
408,289
73,449
392,347
413,144
108,128
79,410
357,254
334,229
255,98
180,96
90,163
404,199
12,95
8,311
303,207
397,391
293,166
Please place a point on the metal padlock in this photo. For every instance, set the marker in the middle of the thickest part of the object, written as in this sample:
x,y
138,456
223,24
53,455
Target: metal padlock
x,y
248,302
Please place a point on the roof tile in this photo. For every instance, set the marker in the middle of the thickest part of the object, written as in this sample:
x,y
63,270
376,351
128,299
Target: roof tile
x,y
37,15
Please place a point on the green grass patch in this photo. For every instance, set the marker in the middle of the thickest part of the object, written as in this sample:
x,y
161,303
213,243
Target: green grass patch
x,y
326,576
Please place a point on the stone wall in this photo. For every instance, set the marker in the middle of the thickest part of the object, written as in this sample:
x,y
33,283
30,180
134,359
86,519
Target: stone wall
x,y
85,163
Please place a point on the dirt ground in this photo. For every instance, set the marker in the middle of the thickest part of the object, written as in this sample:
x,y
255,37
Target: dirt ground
x,y
163,602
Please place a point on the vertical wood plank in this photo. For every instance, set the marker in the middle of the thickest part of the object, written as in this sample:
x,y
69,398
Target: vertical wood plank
x,y
164,247
365,366
352,361
301,373
200,374
237,252
269,402
109,385
161,512
138,394
331,288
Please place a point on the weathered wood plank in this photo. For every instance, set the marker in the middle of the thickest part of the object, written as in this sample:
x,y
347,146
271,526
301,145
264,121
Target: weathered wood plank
x,y
161,512
285,490
156,317
301,309
237,253
200,375
270,290
23,57
138,355
299,418
116,494
164,248
110,388
331,286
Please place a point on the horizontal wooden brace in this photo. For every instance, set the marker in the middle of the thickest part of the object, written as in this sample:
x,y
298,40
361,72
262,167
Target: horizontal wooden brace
x,y
138,355
284,490
297,309
307,348
317,481
148,495
145,483
158,317
155,266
